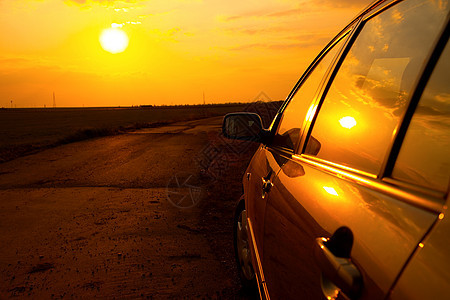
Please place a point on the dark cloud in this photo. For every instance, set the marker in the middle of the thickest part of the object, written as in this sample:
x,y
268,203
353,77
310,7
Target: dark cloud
x,y
431,111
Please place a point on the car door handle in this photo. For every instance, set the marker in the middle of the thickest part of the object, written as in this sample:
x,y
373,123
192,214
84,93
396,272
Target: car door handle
x,y
266,184
338,273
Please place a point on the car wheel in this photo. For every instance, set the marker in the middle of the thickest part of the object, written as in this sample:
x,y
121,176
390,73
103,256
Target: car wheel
x,y
242,248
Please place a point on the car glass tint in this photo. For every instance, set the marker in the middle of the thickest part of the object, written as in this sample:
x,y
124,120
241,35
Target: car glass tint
x,y
371,90
424,157
294,114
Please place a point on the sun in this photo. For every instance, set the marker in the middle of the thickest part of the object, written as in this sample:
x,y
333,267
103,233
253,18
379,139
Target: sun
x,y
114,40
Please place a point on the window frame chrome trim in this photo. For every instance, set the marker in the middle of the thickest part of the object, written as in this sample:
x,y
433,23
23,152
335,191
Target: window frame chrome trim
x,y
414,187
340,166
422,200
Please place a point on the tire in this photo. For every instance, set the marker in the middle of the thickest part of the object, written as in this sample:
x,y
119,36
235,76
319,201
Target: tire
x,y
242,249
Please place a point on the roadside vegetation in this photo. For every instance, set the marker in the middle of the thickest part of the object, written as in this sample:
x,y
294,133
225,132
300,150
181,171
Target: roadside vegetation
x,y
30,130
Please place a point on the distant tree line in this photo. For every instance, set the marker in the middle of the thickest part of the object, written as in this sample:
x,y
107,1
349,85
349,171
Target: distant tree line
x,y
227,104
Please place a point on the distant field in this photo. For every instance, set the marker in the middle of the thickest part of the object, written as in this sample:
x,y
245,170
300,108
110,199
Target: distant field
x,y
24,131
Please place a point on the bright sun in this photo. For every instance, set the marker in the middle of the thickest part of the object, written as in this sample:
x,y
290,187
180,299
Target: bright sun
x,y
114,40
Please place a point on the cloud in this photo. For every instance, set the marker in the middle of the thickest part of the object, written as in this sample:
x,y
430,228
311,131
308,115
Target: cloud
x,y
103,1
14,61
256,31
172,34
9,64
267,14
88,3
344,3
301,44
289,12
271,46
312,38
279,31
306,6
245,15
282,13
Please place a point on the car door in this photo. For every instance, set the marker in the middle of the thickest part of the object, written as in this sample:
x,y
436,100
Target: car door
x,y
334,227
424,161
260,173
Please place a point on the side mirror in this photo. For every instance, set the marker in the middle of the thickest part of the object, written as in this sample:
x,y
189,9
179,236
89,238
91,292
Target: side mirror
x,y
243,126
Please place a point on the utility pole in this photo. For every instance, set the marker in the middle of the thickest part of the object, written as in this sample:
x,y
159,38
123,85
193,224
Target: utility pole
x,y
54,100
204,98
11,104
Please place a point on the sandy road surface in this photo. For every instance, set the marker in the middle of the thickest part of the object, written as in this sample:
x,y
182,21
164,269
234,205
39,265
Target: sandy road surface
x,y
92,219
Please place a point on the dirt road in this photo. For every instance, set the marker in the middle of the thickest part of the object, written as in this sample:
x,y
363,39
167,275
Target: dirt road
x,y
143,214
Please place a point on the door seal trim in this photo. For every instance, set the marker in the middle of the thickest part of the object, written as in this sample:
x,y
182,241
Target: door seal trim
x,y
260,274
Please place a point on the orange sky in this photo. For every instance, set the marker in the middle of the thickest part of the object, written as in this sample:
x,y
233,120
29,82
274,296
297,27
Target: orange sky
x,y
229,49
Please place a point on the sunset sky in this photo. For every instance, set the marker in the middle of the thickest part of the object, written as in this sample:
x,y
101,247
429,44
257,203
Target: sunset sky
x,y
230,50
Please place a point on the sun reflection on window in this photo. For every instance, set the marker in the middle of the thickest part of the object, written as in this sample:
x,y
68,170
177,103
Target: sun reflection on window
x,y
347,122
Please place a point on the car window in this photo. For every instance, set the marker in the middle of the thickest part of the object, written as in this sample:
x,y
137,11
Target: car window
x,y
424,157
294,114
371,90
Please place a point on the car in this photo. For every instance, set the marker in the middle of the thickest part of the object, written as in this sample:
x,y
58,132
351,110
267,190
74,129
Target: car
x,y
347,194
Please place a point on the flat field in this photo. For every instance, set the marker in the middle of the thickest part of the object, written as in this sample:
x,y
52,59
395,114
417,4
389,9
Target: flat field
x,y
147,213
26,131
